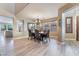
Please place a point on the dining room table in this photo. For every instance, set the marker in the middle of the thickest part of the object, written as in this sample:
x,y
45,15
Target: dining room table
x,y
41,33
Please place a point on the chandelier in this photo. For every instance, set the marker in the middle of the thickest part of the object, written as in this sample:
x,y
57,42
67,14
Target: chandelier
x,y
37,21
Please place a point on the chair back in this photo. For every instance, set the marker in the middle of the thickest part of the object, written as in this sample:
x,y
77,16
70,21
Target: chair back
x,y
36,33
30,33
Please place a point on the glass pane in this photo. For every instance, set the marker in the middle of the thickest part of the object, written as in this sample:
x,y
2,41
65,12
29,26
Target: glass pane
x,y
69,25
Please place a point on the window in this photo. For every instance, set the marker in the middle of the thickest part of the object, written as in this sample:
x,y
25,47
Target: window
x,y
46,27
53,26
69,24
3,27
10,27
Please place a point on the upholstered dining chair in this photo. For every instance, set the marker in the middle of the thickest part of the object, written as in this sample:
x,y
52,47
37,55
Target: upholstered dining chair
x,y
46,35
37,35
30,34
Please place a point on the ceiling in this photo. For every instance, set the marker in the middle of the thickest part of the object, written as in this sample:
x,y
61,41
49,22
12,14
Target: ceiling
x,y
19,7
40,10
10,7
33,10
13,8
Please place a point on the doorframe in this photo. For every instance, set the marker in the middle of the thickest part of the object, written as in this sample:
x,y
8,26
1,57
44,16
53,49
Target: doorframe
x,y
77,28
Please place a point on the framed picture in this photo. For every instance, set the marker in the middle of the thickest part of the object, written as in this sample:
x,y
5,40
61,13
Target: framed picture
x,y
69,25
20,25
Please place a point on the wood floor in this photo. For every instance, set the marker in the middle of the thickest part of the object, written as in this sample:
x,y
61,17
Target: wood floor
x,y
6,46
25,47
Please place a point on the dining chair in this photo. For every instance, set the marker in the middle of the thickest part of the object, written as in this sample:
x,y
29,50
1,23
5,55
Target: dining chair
x,y
46,35
30,34
37,35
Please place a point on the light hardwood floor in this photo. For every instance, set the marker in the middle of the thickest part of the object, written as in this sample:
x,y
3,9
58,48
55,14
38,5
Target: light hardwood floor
x,y
25,47
6,46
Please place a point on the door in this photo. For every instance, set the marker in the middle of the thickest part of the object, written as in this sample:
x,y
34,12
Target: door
x,y
77,28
